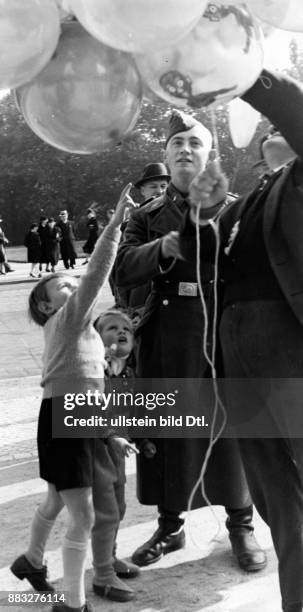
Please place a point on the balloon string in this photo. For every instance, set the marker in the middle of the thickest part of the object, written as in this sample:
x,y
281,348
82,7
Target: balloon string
x,y
218,404
216,145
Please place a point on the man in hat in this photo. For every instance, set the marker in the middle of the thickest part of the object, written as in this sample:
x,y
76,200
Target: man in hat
x,y
170,345
152,184
260,331
67,244
153,181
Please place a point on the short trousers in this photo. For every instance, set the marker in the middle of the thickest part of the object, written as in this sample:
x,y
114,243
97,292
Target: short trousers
x,y
67,463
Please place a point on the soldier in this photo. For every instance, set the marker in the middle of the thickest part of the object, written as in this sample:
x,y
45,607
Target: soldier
x,y
170,339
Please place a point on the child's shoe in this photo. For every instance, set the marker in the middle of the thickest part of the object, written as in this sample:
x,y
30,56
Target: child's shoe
x,y
22,568
115,590
125,569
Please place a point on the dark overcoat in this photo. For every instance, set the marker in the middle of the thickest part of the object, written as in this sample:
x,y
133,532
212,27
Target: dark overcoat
x,y
52,241
170,338
42,231
33,243
93,233
67,244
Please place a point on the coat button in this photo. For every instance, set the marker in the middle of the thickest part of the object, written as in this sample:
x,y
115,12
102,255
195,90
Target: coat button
x,y
165,302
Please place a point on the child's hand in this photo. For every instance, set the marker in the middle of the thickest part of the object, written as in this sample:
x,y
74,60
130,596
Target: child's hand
x,y
125,201
123,447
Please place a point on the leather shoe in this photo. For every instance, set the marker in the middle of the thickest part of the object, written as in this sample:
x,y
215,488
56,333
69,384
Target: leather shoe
x,y
124,569
113,593
250,555
22,568
160,544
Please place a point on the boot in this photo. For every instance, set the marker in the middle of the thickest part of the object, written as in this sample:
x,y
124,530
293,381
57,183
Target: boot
x,y
245,547
167,538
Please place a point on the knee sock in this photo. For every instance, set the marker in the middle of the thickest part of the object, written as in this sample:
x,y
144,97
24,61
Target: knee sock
x,y
40,531
74,556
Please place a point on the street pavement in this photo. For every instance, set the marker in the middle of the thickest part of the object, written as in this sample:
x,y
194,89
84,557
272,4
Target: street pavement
x,y
203,577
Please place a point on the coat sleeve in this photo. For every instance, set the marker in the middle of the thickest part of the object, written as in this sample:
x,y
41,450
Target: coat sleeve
x,y
138,259
280,99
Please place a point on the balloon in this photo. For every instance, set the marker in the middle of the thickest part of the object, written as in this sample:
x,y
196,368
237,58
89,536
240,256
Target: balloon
x,y
283,14
138,25
87,98
243,120
218,60
29,33
64,11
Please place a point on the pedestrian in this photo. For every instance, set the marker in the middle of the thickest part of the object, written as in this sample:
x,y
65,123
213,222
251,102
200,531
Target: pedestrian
x,y
170,346
73,352
115,329
152,184
4,265
42,231
93,233
67,244
33,244
261,261
3,243
52,241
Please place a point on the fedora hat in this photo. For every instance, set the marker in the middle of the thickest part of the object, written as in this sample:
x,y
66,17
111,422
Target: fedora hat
x,y
152,172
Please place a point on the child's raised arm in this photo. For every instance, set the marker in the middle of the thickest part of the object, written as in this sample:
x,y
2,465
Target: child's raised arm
x,y
81,302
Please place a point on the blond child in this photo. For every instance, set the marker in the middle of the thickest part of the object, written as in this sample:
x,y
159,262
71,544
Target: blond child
x,y
73,352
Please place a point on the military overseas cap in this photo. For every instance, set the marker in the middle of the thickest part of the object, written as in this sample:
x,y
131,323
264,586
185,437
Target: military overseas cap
x,y
181,122
153,172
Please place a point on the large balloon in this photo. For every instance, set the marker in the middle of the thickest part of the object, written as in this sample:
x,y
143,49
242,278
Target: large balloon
x,y
218,60
283,14
29,33
64,11
243,120
138,25
87,98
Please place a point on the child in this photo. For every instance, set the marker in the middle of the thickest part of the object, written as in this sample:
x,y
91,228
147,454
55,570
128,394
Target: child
x,y
33,243
73,351
115,329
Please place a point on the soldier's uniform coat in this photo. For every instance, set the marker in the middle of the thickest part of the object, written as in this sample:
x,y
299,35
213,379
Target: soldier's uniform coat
x,y
170,339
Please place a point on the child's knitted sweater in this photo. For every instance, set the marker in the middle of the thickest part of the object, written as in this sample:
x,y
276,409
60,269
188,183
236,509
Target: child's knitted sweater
x,y
73,358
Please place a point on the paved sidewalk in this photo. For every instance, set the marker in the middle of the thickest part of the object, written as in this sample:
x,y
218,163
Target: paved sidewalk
x,y
22,340
203,577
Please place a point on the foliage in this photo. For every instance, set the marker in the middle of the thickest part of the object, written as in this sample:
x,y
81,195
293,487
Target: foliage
x,y
36,178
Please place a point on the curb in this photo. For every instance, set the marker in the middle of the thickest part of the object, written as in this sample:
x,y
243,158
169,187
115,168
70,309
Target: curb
x,y
25,280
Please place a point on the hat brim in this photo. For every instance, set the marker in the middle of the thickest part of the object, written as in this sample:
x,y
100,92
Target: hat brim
x,y
156,177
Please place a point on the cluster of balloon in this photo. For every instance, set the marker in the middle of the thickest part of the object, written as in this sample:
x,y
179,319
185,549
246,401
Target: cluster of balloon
x,y
283,14
29,33
137,25
87,98
242,120
218,60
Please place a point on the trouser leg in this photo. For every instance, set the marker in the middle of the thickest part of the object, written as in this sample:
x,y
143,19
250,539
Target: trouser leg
x,y
277,492
170,521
